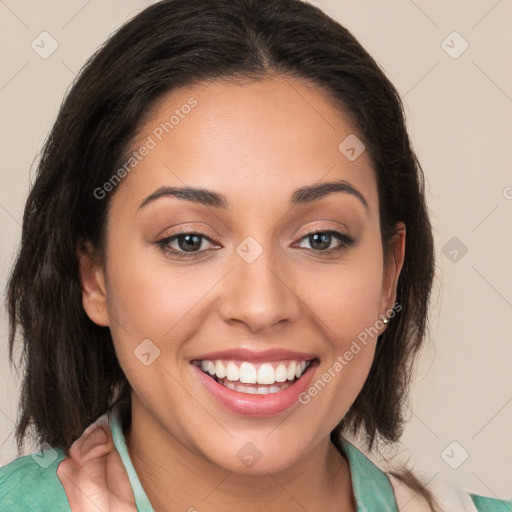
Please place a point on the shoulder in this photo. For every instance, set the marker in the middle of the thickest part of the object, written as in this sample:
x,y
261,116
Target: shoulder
x,y
449,496
485,504
30,483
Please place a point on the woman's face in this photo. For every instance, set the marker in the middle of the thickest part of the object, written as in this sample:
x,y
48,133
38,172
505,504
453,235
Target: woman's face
x,y
255,295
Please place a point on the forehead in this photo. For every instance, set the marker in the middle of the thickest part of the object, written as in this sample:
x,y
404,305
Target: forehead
x,y
254,137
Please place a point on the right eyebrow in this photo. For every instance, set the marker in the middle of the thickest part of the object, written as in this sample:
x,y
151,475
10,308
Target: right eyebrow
x,y
311,193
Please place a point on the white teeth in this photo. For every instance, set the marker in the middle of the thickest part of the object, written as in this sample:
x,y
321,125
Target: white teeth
x,y
290,375
232,372
266,374
259,373
220,370
247,373
280,373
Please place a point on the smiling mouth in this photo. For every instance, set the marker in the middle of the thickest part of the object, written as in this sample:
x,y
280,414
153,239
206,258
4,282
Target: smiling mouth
x,y
255,379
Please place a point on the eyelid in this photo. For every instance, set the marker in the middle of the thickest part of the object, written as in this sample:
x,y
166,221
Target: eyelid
x,y
186,228
324,225
323,229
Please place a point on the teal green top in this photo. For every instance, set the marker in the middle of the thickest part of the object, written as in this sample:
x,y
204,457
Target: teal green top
x,y
30,482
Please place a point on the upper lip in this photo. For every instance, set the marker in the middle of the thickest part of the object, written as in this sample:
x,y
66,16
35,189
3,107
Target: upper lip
x,y
257,356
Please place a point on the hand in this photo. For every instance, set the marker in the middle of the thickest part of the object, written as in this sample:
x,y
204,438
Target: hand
x,y
94,477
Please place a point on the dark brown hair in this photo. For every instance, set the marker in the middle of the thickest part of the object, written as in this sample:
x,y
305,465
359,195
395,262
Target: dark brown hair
x,y
70,367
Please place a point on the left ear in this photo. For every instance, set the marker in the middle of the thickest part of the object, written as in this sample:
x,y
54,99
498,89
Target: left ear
x,y
392,269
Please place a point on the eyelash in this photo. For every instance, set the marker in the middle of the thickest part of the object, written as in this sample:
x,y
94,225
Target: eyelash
x,y
347,241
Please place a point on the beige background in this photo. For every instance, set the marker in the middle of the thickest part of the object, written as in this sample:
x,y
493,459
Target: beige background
x,y
460,118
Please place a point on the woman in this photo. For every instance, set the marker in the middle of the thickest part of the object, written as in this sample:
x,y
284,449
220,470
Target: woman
x,y
214,267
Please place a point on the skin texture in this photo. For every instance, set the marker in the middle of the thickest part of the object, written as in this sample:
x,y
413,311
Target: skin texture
x,y
254,142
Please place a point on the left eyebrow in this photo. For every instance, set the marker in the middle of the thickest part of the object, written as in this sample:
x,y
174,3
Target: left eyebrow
x,y
299,197
313,192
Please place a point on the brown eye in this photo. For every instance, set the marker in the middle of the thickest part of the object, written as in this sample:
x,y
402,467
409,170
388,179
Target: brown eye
x,y
186,244
189,243
320,241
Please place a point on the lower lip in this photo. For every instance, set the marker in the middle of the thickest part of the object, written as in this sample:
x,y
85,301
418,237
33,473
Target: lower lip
x,y
256,406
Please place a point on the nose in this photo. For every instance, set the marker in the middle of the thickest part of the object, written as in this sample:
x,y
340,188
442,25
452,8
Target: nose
x,y
259,294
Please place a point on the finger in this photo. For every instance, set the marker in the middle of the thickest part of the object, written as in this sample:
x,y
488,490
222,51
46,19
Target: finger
x,y
95,453
89,453
117,478
95,441
86,494
83,495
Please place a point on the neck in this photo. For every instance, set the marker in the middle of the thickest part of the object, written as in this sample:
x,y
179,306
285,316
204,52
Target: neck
x,y
175,477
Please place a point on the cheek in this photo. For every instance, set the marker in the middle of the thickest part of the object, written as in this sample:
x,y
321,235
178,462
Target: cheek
x,y
345,297
345,301
149,295
150,298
